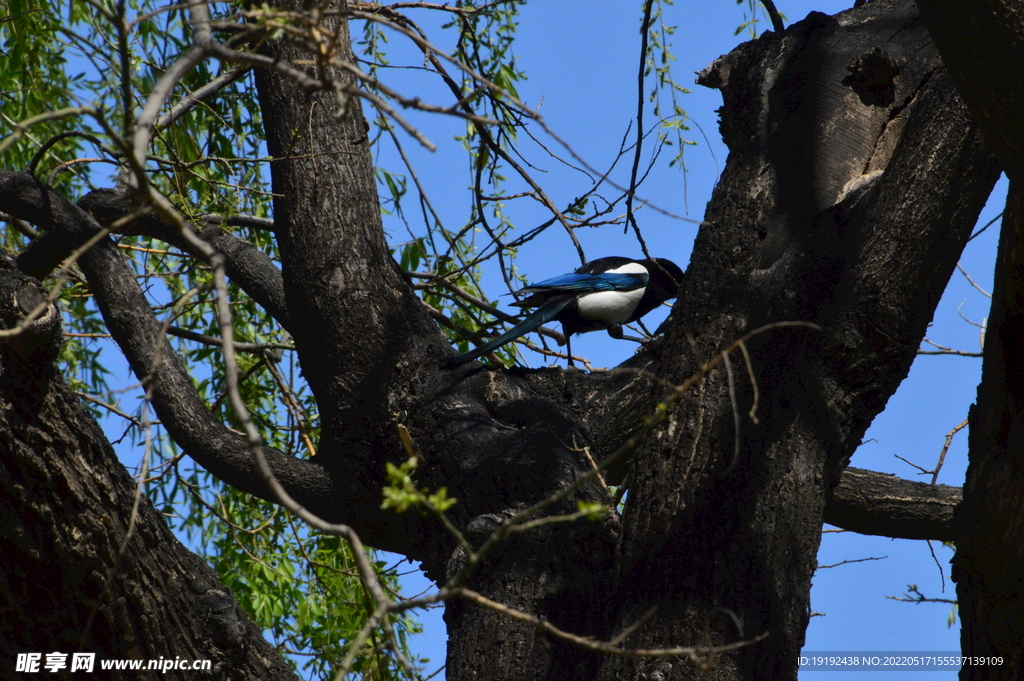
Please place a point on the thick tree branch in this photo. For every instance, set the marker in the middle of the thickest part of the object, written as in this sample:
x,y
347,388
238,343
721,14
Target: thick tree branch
x,y
355,318
58,466
990,525
90,541
249,267
965,32
815,218
875,503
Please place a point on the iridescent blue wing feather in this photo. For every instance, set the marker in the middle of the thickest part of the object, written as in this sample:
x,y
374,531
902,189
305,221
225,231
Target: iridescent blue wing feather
x,y
589,283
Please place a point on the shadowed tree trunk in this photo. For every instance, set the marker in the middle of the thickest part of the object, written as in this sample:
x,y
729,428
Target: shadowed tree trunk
x,y
854,178
89,565
983,44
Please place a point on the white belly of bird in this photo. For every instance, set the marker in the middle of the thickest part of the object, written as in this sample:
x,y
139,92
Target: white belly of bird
x,y
610,307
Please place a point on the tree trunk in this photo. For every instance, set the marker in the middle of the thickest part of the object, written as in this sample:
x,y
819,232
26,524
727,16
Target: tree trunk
x,y
88,564
989,531
982,43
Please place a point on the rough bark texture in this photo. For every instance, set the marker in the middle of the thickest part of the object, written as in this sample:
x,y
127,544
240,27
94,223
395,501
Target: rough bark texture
x,y
880,504
88,564
989,527
359,328
980,42
983,44
854,178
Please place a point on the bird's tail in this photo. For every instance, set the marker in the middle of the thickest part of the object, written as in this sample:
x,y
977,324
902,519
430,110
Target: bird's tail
x,y
544,314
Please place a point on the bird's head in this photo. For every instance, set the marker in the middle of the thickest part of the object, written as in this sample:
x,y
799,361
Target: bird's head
x,y
665,276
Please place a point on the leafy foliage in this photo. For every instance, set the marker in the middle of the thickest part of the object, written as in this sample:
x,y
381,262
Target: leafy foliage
x,y
402,493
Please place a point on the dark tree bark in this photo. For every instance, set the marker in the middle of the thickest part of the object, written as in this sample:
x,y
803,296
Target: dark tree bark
x,y
88,564
983,42
989,526
880,504
855,175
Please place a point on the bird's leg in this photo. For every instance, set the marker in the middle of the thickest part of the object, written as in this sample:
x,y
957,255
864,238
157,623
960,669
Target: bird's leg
x,y
568,350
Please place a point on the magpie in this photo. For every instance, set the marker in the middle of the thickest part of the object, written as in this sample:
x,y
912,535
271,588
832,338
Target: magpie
x,y
603,294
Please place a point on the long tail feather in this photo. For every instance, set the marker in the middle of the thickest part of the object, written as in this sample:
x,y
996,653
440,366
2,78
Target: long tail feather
x,y
544,314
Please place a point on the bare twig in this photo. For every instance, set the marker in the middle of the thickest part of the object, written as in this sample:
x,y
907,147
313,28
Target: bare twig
x,y
211,340
695,653
942,574
987,225
945,448
973,283
943,350
638,147
593,464
735,414
915,596
855,560
21,128
922,469
48,144
942,455
112,409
